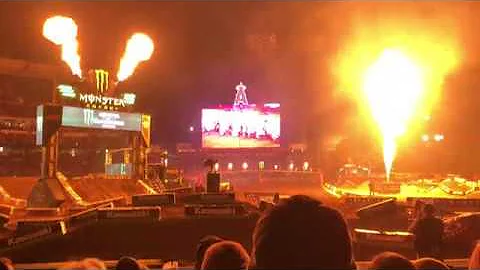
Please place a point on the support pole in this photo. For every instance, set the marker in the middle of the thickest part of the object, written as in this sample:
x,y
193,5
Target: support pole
x,y
50,157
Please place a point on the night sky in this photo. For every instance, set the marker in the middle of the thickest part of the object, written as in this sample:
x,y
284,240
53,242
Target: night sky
x,y
281,50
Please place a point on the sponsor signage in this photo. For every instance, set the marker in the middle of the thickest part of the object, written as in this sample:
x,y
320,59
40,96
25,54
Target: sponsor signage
x,y
100,119
214,210
95,100
133,213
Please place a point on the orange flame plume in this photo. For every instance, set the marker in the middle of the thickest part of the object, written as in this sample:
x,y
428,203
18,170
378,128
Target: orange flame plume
x,y
139,48
62,31
393,86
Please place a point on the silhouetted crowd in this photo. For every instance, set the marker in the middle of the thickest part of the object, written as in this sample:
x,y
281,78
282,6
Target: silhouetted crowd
x,y
296,233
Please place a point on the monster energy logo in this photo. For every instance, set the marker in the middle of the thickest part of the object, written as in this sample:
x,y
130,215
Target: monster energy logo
x,y
102,100
101,78
88,116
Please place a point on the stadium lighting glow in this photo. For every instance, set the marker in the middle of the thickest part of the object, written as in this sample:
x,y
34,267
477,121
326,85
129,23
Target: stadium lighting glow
x,y
261,165
306,166
192,129
438,137
425,138
291,166
216,167
244,165
230,166
275,167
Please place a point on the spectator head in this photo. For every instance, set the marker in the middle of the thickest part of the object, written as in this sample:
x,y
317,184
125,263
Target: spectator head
x,y
428,210
474,262
226,255
300,233
6,264
430,264
127,263
390,260
204,244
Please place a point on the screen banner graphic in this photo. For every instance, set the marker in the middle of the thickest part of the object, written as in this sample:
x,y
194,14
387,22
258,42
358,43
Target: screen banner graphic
x,y
99,119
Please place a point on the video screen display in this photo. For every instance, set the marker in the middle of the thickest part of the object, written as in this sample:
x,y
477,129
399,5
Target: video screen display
x,y
246,127
90,118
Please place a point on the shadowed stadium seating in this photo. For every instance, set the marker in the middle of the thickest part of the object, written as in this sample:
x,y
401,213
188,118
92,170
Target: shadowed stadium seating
x,y
111,239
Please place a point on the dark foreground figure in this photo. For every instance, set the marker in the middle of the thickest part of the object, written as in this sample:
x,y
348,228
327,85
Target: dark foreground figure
x,y
428,231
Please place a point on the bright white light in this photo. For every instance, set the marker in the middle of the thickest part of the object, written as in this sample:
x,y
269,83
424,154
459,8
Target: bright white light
x,y
438,137
216,167
306,166
230,166
275,167
192,129
425,138
60,30
272,105
261,165
291,166
245,165
1,149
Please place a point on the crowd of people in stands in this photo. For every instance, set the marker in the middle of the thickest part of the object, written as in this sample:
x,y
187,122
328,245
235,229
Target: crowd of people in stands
x,y
296,233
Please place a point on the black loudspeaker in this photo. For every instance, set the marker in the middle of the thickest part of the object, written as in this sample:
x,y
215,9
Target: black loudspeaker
x,y
213,182
49,120
153,200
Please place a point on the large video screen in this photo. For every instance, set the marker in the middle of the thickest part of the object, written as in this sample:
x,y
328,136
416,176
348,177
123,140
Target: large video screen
x,y
246,127
90,118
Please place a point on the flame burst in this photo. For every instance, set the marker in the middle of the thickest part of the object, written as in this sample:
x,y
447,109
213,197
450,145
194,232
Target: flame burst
x,y
398,86
393,86
62,31
139,48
